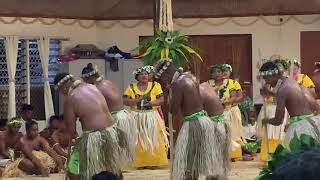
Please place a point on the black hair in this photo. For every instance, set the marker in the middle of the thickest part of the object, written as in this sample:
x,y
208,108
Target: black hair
x,y
29,124
26,107
3,122
59,76
88,69
105,175
61,116
54,118
303,165
268,66
159,66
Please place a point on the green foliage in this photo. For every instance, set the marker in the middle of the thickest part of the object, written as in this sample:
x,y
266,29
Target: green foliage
x,y
252,147
297,144
170,45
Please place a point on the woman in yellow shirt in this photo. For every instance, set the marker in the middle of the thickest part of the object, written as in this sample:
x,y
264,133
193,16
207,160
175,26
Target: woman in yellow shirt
x,y
228,90
144,98
303,79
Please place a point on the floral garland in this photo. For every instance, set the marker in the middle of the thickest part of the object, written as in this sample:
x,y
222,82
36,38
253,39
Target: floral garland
x,y
14,122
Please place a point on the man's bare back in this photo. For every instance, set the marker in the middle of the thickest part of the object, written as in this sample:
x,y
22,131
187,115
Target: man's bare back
x,y
111,94
291,94
186,95
90,106
316,81
210,99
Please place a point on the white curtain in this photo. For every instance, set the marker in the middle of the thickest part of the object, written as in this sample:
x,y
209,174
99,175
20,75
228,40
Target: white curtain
x,y
43,45
11,45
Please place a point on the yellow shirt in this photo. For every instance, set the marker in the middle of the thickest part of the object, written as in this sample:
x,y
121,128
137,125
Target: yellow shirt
x,y
152,92
305,81
225,90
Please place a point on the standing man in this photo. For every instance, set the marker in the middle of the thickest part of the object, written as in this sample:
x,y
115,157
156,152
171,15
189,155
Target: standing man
x,y
98,148
213,106
195,152
316,78
124,119
291,97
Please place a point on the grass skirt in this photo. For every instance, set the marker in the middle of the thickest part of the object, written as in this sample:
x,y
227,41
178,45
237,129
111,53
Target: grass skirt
x,y
151,149
127,134
196,152
99,151
223,139
233,117
12,170
150,127
309,126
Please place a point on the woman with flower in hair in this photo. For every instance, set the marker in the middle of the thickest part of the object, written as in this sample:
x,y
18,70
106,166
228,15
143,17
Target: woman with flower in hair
x,y
144,98
302,79
229,92
268,110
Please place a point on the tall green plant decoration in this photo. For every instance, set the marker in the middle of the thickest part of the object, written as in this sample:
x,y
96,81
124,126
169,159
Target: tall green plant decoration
x,y
167,43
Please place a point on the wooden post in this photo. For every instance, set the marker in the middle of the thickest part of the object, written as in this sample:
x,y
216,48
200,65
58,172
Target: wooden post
x,y
156,14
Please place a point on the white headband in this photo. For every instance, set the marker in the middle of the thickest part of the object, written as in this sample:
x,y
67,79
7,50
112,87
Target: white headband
x,y
66,78
164,68
95,71
269,72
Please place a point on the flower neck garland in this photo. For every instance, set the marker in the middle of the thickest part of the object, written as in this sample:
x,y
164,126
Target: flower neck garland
x,y
74,85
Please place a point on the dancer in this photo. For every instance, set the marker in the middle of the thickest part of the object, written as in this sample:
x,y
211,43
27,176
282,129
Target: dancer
x,y
195,152
229,92
98,149
303,79
275,133
38,158
144,98
213,106
316,79
289,95
125,119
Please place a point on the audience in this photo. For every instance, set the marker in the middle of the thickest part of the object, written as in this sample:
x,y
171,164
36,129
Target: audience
x,y
26,115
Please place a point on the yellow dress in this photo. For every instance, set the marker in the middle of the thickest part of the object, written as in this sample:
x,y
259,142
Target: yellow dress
x,y
232,114
305,81
152,140
275,133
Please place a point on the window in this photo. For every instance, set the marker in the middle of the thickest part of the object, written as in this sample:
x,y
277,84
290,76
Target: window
x,y
36,76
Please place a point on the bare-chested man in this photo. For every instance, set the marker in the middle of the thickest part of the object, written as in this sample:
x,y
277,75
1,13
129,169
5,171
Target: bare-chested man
x,y
316,79
125,119
38,157
98,148
289,95
9,139
195,152
213,106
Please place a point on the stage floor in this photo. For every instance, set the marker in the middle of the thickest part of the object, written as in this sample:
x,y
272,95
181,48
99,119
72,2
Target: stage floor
x,y
240,170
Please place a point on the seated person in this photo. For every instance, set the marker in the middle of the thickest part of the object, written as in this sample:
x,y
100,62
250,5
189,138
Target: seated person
x,y
9,139
26,115
38,158
55,123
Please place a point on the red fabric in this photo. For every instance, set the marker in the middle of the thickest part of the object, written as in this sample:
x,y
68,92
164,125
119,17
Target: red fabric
x,y
67,58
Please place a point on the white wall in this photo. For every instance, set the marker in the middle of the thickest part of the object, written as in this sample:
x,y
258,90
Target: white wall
x,y
270,39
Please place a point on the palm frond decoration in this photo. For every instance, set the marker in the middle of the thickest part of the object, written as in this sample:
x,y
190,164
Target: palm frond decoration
x,y
166,45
